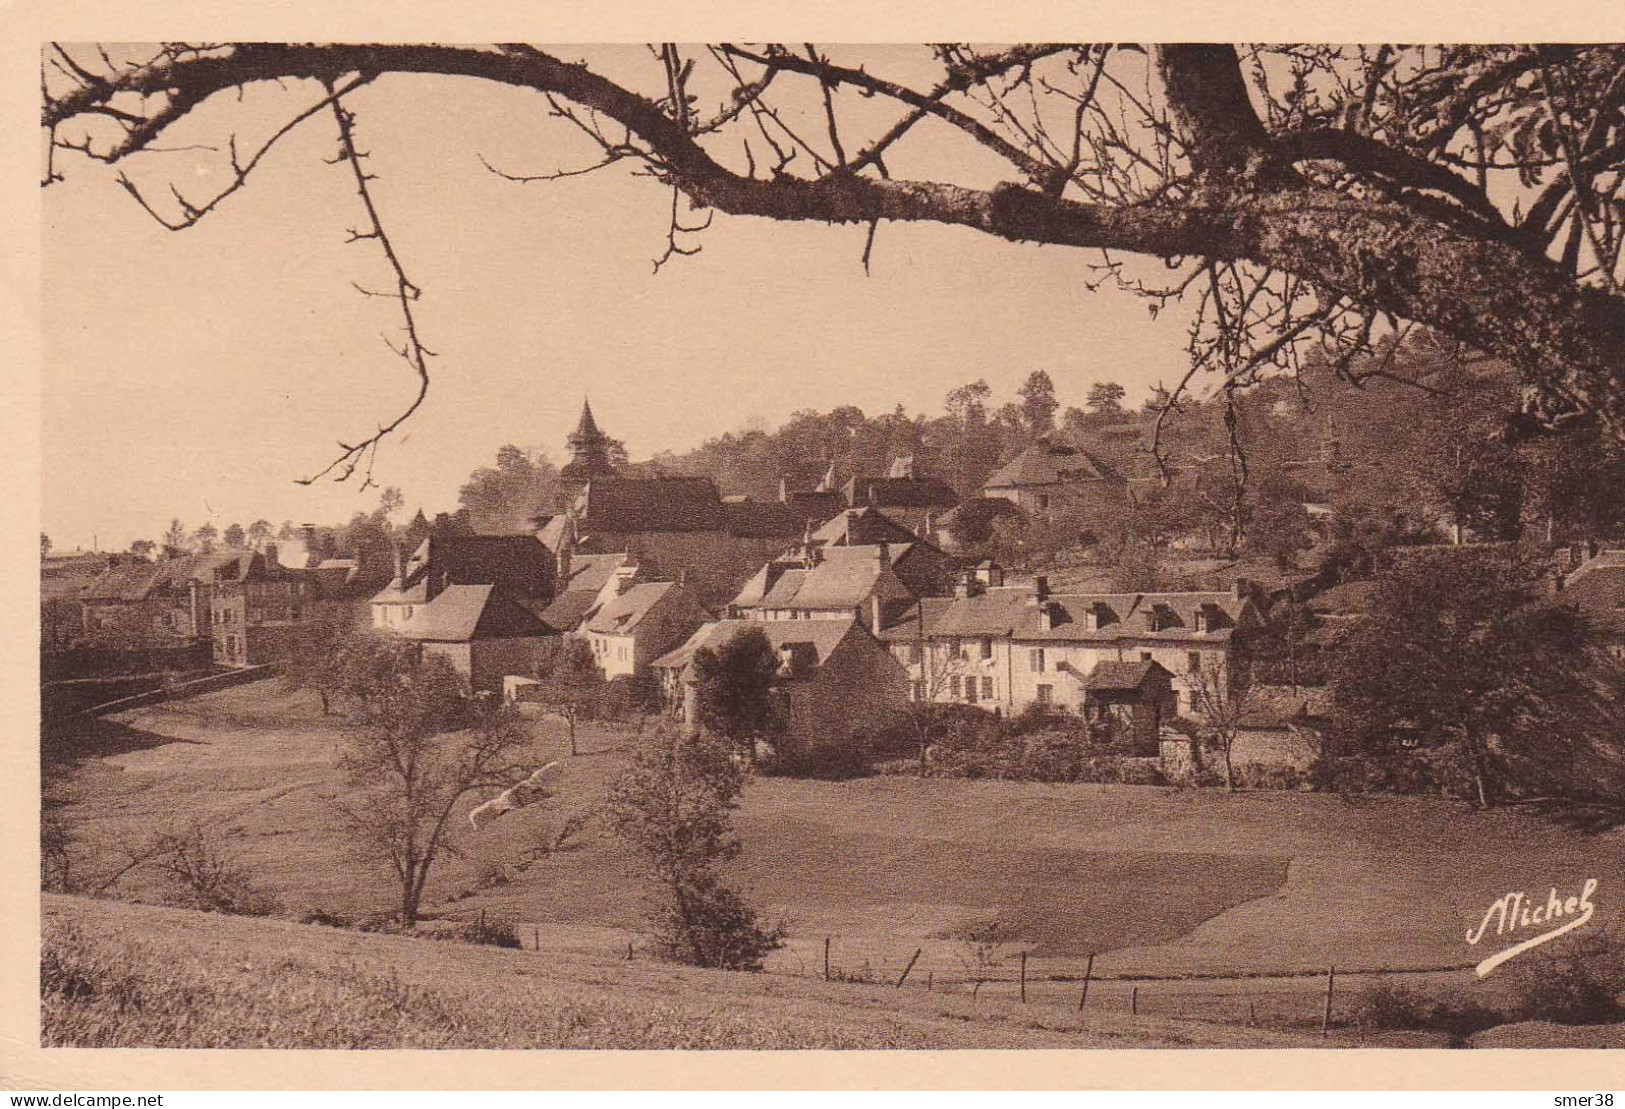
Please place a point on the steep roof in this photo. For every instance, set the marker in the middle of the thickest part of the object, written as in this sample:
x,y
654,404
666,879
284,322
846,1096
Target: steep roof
x,y
649,504
1121,677
623,614
1597,587
588,575
1012,612
1049,462
824,636
860,526
901,492
461,613
518,563
749,519
843,578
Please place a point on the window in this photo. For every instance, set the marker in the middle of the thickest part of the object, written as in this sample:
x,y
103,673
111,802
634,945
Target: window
x,y
406,613
1145,656
987,689
1201,619
918,691
1193,661
1035,660
953,686
915,653
1046,694
970,690
987,648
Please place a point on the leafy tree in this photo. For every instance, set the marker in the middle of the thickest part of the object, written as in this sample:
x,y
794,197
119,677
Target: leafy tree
x,y
144,548
259,534
1461,656
417,530
735,688
1105,400
61,623
44,544
286,531
450,525
390,502
175,541
570,683
320,657
1038,403
205,537
235,537
1278,524
674,806
414,747
505,497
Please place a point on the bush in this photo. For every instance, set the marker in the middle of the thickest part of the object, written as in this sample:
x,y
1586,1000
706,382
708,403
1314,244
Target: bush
x,y
836,763
1254,775
1395,1007
1575,981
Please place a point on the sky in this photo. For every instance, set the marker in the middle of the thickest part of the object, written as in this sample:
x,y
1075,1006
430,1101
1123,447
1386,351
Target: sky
x,y
199,374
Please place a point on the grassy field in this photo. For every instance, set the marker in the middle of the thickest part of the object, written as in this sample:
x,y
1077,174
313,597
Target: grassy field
x,y
1158,881
116,974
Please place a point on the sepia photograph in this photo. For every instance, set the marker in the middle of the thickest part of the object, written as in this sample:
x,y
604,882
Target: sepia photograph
x,y
803,546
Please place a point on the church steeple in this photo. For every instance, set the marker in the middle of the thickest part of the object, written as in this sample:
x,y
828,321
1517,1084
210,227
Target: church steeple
x,y
589,456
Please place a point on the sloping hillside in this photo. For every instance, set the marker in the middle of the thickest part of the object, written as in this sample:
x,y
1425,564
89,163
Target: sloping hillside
x,y
118,974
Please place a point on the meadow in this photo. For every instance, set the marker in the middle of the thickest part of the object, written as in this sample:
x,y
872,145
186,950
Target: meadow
x,y
1156,882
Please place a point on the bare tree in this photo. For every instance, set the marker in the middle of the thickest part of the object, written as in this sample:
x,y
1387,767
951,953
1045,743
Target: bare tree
x,y
417,747
1305,196
1224,699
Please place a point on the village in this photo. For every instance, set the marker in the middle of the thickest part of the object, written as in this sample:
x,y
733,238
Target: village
x,y
857,582
857,546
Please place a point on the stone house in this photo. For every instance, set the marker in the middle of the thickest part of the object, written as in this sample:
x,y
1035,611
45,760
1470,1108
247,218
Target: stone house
x,y
836,685
1010,647
483,631
1052,477
519,565
638,622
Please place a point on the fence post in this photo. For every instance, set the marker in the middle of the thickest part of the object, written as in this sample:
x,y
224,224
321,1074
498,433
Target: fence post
x,y
1134,1001
482,926
536,938
826,958
1326,1013
629,951
1024,978
1088,972
910,966
930,975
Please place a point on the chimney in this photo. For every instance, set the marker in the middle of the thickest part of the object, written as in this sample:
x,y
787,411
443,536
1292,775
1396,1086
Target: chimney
x,y
883,552
308,531
1241,589
400,561
271,556
876,611
625,578
1041,588
784,491
968,585
1046,615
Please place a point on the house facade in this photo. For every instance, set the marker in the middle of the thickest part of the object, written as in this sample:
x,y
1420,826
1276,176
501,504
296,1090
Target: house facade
x,y
257,608
1052,477
1007,648
836,685
639,622
485,633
